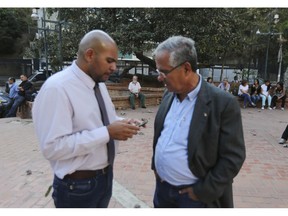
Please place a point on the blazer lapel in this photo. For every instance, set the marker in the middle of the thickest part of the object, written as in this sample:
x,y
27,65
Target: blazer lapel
x,y
200,116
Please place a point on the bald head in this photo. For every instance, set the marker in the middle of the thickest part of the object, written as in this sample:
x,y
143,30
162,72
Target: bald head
x,y
97,55
97,40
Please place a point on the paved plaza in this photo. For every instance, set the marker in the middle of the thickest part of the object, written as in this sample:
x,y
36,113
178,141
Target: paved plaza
x,y
261,183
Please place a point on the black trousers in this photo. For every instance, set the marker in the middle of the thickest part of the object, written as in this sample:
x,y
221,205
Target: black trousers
x,y
285,133
274,99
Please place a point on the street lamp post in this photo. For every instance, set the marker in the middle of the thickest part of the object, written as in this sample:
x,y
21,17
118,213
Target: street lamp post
x,y
269,34
280,55
45,29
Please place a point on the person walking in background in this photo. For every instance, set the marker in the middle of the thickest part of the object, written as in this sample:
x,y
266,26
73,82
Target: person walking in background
x,y
280,94
284,137
135,92
255,91
77,126
265,94
198,144
243,92
224,85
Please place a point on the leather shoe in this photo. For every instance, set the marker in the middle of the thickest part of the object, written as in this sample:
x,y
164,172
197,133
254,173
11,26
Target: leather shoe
x,y
144,107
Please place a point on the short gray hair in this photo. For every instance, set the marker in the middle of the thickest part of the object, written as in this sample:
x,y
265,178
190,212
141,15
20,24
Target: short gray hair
x,y
181,49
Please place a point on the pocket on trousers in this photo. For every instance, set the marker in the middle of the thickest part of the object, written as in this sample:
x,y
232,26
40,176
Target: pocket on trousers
x,y
85,188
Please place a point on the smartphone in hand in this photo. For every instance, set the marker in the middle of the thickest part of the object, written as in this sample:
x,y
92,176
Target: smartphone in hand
x,y
143,123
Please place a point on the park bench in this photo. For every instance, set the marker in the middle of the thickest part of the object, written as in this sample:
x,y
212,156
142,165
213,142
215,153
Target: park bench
x,y
259,103
25,110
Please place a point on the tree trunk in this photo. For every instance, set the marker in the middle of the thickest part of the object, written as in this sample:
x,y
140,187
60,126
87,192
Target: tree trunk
x,y
146,60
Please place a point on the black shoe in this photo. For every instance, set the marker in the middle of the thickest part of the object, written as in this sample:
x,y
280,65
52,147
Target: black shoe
x,y
144,107
133,108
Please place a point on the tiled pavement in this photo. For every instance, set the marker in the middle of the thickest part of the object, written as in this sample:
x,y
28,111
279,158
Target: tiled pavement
x,y
262,182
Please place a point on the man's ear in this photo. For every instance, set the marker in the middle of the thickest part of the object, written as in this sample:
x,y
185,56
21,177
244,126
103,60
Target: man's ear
x,y
89,54
187,67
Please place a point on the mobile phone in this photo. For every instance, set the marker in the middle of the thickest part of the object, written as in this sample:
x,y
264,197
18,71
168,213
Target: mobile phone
x,y
143,123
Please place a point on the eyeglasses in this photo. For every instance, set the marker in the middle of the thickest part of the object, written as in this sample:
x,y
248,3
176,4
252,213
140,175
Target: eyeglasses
x,y
166,72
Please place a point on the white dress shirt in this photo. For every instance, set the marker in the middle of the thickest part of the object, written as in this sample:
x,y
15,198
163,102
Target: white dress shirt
x,y
171,155
68,123
134,87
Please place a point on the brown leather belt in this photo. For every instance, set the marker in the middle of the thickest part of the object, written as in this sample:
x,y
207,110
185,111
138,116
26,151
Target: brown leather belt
x,y
83,174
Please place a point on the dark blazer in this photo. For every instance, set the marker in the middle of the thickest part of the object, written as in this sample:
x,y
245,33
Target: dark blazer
x,y
216,148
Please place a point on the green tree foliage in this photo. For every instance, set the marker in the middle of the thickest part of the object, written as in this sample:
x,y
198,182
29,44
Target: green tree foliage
x,y
14,31
222,35
218,32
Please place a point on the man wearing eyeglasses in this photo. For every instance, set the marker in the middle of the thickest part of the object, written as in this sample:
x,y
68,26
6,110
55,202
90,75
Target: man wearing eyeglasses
x,y
198,145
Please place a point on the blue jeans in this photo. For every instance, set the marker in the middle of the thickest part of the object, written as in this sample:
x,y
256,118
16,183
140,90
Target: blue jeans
x,y
269,99
93,192
167,196
246,99
255,98
16,103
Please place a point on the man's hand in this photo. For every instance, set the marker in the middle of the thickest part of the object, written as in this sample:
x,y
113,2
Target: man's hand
x,y
137,122
122,130
190,192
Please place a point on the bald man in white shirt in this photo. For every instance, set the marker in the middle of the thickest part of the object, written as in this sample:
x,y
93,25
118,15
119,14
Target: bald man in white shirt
x,y
69,124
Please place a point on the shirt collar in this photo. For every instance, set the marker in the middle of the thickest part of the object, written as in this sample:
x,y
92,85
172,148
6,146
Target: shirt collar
x,y
87,80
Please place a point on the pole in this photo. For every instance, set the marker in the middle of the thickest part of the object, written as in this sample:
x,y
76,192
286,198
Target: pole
x,y
45,41
266,59
60,40
249,63
279,58
60,46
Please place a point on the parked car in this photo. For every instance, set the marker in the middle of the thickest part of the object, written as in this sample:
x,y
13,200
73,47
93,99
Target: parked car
x,y
37,79
4,101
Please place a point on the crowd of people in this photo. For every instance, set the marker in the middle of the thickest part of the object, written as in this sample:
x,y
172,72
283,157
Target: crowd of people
x,y
266,93
263,93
